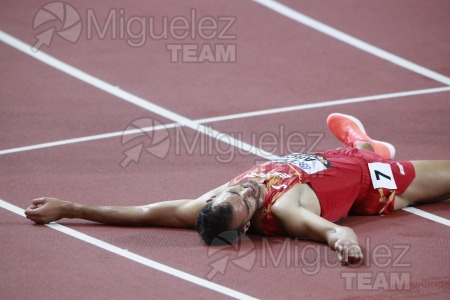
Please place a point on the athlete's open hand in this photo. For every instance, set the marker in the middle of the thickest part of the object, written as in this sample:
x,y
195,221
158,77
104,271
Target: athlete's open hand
x,y
348,252
45,210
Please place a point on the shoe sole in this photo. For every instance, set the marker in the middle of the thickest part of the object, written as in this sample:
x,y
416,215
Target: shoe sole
x,y
355,120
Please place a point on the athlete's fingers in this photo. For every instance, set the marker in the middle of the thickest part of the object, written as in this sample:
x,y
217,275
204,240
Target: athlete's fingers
x,y
341,255
30,208
355,256
31,211
38,201
349,254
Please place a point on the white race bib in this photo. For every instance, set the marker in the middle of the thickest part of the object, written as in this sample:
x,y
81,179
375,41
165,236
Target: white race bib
x,y
381,175
309,163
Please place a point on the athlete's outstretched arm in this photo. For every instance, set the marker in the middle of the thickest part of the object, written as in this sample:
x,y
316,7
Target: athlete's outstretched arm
x,y
302,223
174,213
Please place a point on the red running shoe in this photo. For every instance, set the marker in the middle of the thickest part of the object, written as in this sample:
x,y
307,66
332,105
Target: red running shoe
x,y
350,131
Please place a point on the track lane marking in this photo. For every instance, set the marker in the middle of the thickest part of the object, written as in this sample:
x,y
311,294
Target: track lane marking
x,y
229,117
325,104
348,39
427,215
86,139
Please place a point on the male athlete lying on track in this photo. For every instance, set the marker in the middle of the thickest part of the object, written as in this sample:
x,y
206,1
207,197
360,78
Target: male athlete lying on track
x,y
299,195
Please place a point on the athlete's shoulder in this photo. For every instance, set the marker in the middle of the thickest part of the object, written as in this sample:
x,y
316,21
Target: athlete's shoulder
x,y
300,195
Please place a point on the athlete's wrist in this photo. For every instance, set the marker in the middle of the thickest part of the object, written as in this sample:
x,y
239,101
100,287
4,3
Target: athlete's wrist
x,y
72,210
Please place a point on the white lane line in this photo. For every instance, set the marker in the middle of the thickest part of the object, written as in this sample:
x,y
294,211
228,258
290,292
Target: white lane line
x,y
427,215
87,138
346,38
134,257
325,104
231,117
138,101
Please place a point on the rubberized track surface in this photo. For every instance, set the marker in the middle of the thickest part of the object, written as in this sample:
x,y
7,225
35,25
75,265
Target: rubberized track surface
x,y
64,109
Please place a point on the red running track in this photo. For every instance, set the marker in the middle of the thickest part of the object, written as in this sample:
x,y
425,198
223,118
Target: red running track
x,y
280,64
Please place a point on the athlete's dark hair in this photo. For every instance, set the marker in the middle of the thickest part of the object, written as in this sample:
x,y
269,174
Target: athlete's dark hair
x,y
213,221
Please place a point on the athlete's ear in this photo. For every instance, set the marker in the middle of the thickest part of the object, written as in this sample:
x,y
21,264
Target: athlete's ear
x,y
246,227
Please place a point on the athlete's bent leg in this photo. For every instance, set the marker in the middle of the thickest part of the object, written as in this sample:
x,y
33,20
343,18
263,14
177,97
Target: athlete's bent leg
x,y
351,132
431,184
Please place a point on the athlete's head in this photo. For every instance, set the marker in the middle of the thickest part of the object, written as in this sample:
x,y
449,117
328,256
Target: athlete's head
x,y
231,210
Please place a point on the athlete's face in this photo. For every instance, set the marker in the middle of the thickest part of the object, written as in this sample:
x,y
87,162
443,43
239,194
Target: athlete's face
x,y
246,198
